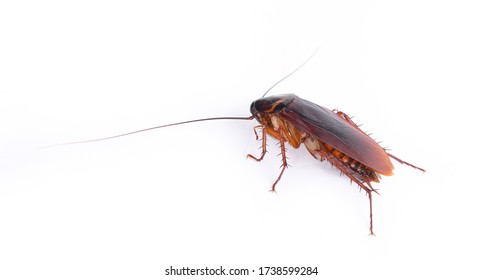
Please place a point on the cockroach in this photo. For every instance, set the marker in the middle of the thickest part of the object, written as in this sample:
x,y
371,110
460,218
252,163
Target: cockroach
x,y
328,135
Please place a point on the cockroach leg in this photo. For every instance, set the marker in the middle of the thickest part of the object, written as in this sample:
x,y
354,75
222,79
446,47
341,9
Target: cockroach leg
x,y
347,119
264,143
367,188
404,162
370,212
284,157
342,115
255,131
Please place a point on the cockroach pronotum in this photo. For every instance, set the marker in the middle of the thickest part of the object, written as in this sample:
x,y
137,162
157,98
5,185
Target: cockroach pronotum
x,y
327,134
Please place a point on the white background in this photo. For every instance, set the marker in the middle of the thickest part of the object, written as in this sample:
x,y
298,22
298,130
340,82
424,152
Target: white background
x,y
410,71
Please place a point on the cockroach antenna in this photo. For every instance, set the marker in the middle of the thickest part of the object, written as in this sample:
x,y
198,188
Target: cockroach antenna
x,y
184,122
147,129
293,72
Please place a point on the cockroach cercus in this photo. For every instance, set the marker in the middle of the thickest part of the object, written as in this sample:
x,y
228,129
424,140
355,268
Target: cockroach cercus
x,y
328,135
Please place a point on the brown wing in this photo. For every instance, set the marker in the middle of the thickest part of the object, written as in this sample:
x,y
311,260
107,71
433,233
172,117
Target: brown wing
x,y
326,126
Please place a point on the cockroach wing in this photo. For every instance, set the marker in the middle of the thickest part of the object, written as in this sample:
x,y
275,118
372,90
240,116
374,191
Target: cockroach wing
x,y
328,127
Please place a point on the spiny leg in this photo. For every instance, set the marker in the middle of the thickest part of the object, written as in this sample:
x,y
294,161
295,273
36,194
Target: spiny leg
x,y
255,131
368,188
264,143
347,119
404,162
370,211
343,115
284,158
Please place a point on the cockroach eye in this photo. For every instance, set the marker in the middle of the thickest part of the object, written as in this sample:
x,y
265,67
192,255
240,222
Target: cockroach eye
x,y
253,110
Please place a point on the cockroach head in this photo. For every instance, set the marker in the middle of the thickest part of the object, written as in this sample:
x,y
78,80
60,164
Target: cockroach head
x,y
270,105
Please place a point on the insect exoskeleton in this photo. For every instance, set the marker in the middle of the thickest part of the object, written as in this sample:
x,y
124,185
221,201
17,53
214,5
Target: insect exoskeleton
x,y
327,135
